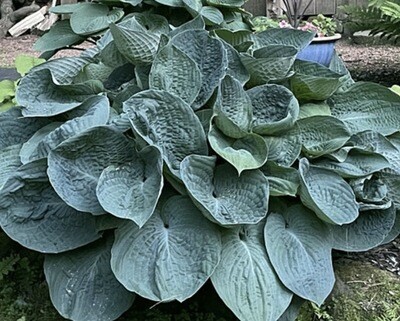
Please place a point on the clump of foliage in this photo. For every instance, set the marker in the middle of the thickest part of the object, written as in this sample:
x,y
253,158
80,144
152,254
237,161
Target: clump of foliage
x,y
166,156
380,16
326,26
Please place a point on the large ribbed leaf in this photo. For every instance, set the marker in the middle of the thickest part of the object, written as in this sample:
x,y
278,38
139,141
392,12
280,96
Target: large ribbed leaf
x,y
222,195
41,96
132,190
96,113
82,285
166,121
94,17
236,38
322,135
212,16
366,232
76,165
275,109
327,194
236,69
283,181
59,36
313,81
395,231
14,129
176,73
314,109
139,47
233,109
293,310
285,148
226,3
284,36
299,247
150,22
245,279
171,256
210,56
358,163
248,152
269,63
9,162
367,106
32,214
171,3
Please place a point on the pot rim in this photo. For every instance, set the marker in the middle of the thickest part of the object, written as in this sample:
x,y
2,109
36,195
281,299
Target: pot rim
x,y
335,37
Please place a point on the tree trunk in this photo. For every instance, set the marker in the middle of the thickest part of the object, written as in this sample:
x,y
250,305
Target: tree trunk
x,y
10,16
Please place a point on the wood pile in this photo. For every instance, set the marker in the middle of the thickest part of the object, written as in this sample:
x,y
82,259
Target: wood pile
x,y
19,16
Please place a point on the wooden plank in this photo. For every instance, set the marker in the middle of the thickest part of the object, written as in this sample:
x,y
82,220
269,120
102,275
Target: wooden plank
x,y
50,19
257,7
326,7
28,22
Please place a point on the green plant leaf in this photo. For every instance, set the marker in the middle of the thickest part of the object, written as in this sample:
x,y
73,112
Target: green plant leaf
x,y
33,214
236,69
82,285
7,90
171,3
131,191
176,73
293,311
171,256
41,96
75,166
210,56
321,135
248,152
268,64
212,15
222,195
298,237
314,109
93,17
283,181
235,38
138,47
275,109
95,113
158,117
368,231
367,106
226,3
9,162
284,36
233,109
327,194
395,89
24,63
256,294
67,8
14,129
196,23
313,81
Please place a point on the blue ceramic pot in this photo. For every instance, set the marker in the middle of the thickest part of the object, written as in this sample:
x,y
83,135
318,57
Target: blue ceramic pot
x,y
320,50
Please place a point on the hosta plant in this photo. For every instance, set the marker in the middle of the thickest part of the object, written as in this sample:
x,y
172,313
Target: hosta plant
x,y
166,156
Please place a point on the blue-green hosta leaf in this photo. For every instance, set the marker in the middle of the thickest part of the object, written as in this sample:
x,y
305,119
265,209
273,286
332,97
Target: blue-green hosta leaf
x,y
171,3
94,17
82,285
248,152
270,63
358,163
142,74
226,3
255,293
166,121
41,96
314,109
313,81
32,214
98,71
96,113
66,8
293,311
205,116
110,56
299,247
275,109
395,231
327,194
210,56
285,148
283,181
212,16
236,69
391,180
322,135
171,256
337,65
193,6
138,47
222,195
9,162
131,191
233,109
283,36
59,36
366,232
236,38
153,23
176,73
196,23
75,166
14,129
367,106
